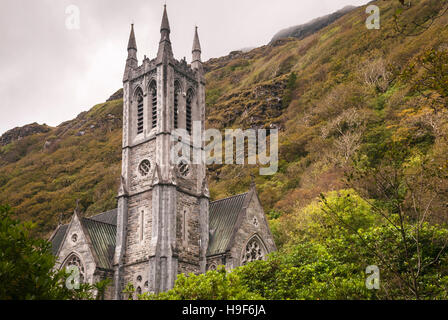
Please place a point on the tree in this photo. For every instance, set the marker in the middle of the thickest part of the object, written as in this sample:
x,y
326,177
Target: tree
x,y
214,285
412,20
347,130
375,73
428,76
408,243
27,266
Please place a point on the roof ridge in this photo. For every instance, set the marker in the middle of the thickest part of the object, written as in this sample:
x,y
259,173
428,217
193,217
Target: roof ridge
x,y
237,195
96,221
99,214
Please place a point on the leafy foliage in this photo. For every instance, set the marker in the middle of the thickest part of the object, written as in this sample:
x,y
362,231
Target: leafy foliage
x,y
331,242
27,266
214,285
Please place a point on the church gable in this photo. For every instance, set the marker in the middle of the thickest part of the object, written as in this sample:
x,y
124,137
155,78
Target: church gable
x,y
252,238
76,249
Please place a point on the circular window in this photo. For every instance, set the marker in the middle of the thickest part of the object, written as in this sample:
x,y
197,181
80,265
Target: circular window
x,y
184,168
144,167
74,237
139,278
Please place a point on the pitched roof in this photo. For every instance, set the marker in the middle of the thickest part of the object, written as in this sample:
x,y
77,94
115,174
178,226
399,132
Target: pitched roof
x,y
57,238
109,217
102,236
222,220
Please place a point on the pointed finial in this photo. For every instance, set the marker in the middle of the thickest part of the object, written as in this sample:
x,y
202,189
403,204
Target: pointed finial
x,y
165,52
165,23
132,44
252,183
77,211
196,43
196,63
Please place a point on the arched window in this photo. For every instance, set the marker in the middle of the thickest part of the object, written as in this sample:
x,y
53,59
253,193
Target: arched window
x,y
139,111
153,92
176,105
188,110
212,266
253,251
73,261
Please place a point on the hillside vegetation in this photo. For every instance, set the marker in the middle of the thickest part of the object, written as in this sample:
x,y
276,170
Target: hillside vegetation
x,y
342,94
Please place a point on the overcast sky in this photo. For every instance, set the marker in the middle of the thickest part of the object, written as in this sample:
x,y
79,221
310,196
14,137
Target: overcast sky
x,y
49,73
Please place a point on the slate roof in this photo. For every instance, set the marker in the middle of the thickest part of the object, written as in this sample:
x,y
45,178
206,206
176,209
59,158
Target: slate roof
x,y
102,236
222,220
102,229
109,217
57,238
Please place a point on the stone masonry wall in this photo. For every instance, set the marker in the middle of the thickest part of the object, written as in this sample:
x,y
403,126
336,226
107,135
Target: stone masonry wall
x,y
137,246
187,233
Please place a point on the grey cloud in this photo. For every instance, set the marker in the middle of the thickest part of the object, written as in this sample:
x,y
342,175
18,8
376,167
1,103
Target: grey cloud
x,y
50,74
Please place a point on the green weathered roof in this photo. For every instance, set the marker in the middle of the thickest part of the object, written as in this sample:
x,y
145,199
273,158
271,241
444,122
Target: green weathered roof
x,y
223,218
102,236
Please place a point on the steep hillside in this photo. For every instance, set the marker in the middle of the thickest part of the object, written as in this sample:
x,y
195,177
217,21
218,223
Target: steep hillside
x,y
42,175
304,30
334,95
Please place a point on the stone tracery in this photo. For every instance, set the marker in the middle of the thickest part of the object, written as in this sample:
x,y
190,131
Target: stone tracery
x,y
254,251
74,261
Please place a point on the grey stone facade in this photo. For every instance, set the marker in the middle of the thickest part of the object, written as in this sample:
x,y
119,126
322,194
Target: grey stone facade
x,y
163,223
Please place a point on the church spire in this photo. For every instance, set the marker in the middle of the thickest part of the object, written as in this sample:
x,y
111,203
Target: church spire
x,y
196,44
131,62
196,63
165,49
132,43
165,23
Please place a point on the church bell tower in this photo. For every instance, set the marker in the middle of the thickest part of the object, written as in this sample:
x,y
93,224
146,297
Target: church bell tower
x,y
162,222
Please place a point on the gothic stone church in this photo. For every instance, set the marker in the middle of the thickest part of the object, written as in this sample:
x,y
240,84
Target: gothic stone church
x,y
164,223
